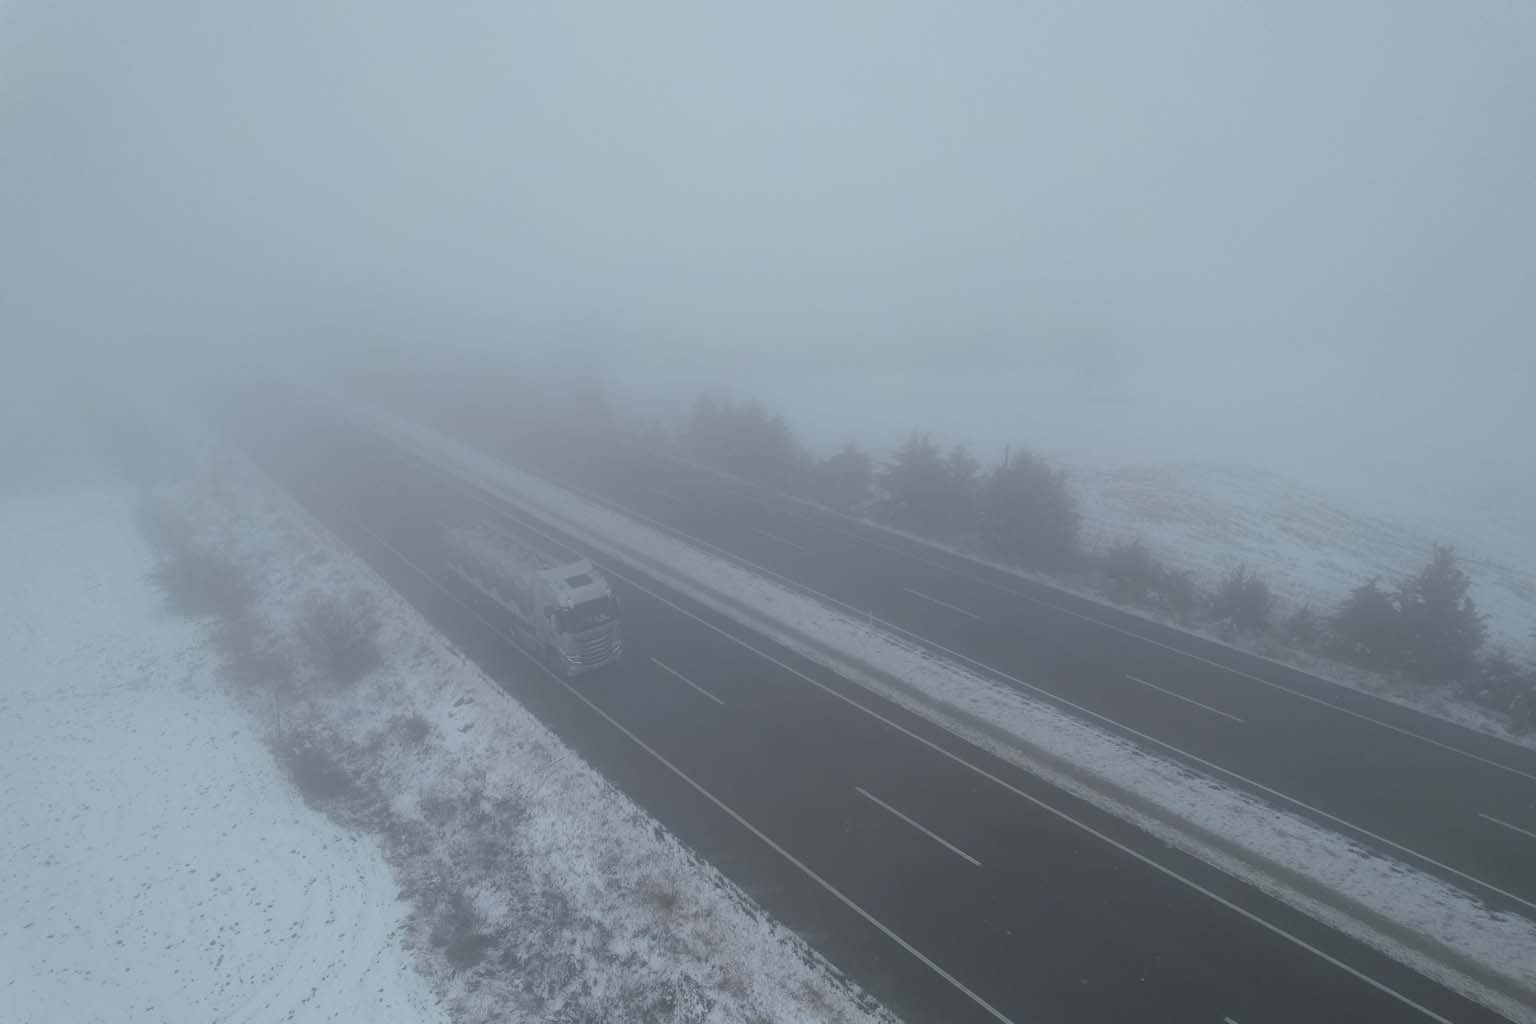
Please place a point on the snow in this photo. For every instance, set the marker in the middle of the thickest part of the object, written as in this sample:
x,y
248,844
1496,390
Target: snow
x,y
158,867
602,914
1342,883
1311,545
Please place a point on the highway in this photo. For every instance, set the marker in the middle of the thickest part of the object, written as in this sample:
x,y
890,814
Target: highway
x,y
952,885
1455,802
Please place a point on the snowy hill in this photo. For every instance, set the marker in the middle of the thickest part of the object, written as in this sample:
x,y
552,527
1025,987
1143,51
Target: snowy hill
x,y
1312,546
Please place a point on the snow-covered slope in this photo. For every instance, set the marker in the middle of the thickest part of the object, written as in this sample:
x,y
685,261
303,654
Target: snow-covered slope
x,y
1313,546
158,867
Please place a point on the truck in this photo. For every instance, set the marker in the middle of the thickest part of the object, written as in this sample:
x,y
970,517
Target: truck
x,y
561,609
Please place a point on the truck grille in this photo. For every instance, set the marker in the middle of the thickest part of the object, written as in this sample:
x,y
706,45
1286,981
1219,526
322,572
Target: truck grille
x,y
596,648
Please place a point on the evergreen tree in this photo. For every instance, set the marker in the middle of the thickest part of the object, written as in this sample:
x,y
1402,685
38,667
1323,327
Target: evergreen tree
x,y
1028,513
917,486
1441,624
1369,629
746,440
842,481
964,482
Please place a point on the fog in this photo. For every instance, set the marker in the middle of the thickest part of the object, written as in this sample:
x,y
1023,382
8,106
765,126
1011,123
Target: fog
x,y
1295,234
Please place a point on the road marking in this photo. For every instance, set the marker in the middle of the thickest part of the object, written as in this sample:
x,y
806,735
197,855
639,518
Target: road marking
x,y
1514,828
658,492
776,537
1228,1020
1168,872
678,675
702,791
1001,588
1180,696
474,490
499,508
943,604
755,493
951,847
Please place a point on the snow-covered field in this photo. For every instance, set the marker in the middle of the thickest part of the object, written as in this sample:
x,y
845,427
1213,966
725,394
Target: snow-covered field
x,y
1236,831
157,865
1312,545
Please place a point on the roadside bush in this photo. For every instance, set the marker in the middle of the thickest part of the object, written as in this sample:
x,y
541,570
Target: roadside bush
x,y
414,729
1242,599
253,654
1304,628
341,636
1501,683
1132,572
459,931
167,530
197,581
317,773
1178,591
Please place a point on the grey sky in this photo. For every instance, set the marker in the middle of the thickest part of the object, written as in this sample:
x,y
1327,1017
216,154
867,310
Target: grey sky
x,y
1097,228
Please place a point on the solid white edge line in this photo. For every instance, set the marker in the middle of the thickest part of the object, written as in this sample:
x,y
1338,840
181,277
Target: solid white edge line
x,y
702,791
1362,716
776,537
943,604
1045,694
752,494
1513,828
1180,696
682,678
1142,858
951,847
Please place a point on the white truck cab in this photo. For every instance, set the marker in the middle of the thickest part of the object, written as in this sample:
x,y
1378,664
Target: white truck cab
x,y
561,609
582,613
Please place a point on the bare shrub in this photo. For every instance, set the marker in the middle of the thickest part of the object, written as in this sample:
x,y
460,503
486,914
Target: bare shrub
x,y
1243,599
166,529
1133,572
319,775
414,729
661,895
254,655
197,581
341,636
1304,628
1178,591
460,932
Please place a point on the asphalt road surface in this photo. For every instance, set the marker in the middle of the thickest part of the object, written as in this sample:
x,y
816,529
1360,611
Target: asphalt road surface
x,y
1452,801
952,885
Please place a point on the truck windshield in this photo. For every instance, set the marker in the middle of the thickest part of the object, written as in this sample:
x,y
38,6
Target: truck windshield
x,y
588,614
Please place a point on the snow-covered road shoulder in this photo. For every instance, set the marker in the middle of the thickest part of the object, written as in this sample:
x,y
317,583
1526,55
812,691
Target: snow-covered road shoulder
x,y
158,865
